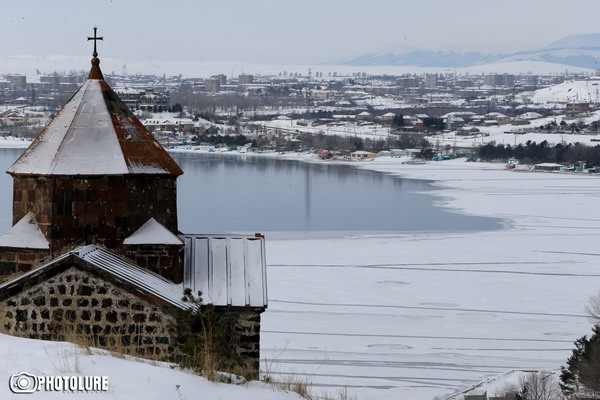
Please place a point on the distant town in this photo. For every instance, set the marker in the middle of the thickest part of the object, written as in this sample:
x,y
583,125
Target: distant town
x,y
356,116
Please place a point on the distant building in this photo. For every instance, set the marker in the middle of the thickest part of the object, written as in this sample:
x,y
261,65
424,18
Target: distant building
x,y
365,116
245,79
362,155
17,82
431,81
222,79
463,83
577,108
52,80
212,85
500,80
409,82
499,118
548,167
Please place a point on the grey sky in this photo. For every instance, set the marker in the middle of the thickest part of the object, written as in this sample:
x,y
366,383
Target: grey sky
x,y
282,31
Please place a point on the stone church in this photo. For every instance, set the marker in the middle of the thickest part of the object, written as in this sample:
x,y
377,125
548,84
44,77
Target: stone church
x,y
95,245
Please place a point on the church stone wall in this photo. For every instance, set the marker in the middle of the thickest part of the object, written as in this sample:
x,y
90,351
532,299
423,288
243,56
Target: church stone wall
x,y
243,325
165,260
13,260
76,306
104,210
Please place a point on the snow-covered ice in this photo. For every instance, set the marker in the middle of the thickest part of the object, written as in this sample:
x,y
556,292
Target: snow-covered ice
x,y
424,315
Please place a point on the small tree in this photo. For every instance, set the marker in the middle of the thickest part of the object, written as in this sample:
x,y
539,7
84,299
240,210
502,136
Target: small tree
x,y
398,120
582,373
535,385
202,342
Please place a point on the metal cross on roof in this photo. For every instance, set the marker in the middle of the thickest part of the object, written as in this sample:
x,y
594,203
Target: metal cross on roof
x,y
95,38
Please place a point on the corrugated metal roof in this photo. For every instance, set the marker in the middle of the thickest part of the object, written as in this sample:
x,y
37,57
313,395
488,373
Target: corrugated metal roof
x,y
146,280
229,270
95,134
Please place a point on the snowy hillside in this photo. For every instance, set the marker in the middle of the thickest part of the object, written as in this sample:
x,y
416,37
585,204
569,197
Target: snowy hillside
x,y
573,91
128,379
578,41
420,58
569,57
572,51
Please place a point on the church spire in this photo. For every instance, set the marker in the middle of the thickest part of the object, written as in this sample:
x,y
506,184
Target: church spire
x,y
95,72
95,134
95,38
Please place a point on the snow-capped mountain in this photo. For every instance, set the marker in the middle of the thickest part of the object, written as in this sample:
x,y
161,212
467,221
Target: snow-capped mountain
x,y
420,58
575,50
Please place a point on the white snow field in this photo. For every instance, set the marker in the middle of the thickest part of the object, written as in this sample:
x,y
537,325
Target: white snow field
x,y
128,379
416,316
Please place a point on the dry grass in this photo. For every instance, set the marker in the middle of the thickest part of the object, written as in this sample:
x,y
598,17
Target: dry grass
x,y
287,383
297,384
68,360
300,384
343,394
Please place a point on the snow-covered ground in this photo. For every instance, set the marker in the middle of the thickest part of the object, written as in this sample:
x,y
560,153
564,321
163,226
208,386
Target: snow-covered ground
x,y
10,141
509,134
343,128
128,379
423,315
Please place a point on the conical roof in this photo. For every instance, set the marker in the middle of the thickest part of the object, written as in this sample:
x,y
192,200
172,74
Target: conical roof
x,y
95,134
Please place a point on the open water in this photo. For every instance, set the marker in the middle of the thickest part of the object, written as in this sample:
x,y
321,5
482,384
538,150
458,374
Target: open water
x,y
226,193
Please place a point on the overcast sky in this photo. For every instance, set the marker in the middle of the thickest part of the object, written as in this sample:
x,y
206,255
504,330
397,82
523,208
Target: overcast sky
x,y
282,31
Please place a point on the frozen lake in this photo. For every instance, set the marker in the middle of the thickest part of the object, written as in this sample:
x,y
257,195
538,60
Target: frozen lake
x,y
392,310
219,194
425,314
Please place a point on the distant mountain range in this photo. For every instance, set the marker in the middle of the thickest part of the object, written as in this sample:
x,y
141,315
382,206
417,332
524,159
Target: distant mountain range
x,y
575,50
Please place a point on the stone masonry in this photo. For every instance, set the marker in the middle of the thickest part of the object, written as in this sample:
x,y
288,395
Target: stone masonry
x,y
165,260
243,331
14,260
75,304
94,209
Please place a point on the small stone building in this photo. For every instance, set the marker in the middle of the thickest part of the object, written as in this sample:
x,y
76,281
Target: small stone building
x,y
95,249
